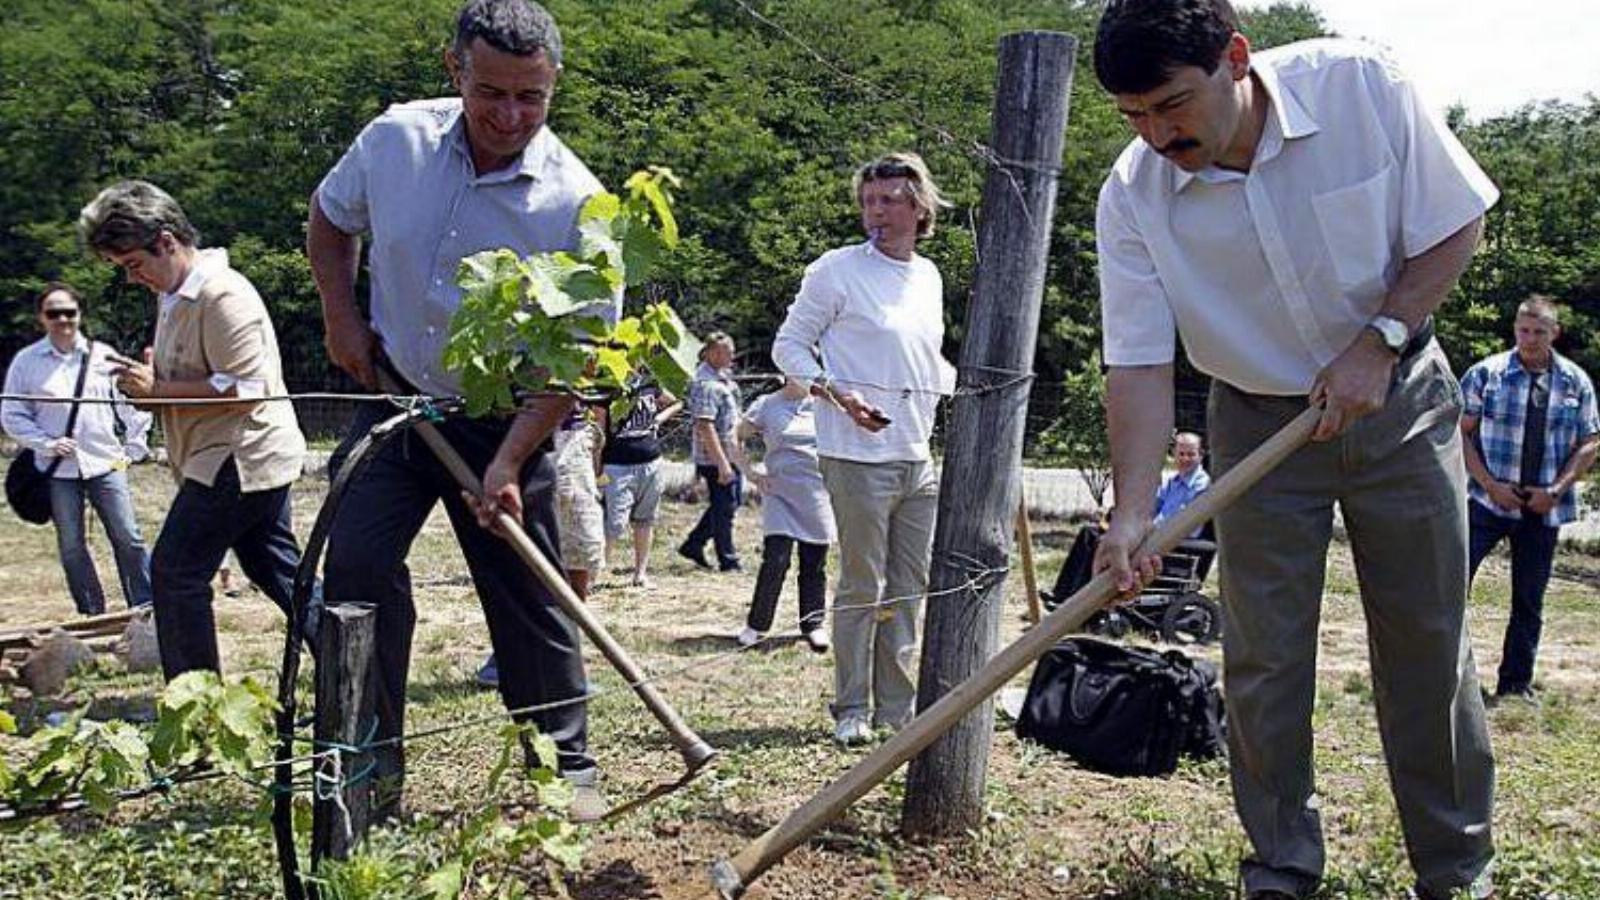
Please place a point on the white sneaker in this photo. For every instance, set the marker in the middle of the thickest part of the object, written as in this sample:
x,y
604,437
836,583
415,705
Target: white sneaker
x,y
818,639
852,730
749,637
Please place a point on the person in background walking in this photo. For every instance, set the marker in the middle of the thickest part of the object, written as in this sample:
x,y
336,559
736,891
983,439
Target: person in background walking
x,y
794,510
91,462
235,462
632,461
875,310
714,406
1531,431
579,519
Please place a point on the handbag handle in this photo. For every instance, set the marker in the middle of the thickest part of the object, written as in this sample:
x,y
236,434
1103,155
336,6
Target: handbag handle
x,y
72,417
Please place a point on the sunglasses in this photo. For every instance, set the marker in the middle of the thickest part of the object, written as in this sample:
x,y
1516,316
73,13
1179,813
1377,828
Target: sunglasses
x,y
60,314
888,170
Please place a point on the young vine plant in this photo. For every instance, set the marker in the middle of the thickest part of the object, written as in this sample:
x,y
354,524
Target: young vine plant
x,y
538,323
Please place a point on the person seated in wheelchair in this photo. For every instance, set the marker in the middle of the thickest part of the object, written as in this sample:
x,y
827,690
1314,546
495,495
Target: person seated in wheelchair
x,y
1184,570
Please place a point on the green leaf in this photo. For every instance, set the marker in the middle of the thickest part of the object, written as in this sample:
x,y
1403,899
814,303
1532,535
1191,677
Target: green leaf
x,y
8,725
446,882
545,751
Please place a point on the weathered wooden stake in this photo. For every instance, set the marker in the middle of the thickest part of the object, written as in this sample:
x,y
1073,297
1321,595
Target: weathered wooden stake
x,y
980,486
342,810
1030,575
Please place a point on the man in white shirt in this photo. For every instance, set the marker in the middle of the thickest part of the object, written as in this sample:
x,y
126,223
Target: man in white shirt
x,y
875,311
1296,216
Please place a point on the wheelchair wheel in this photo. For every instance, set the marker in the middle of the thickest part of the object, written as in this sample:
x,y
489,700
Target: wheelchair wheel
x,y
1191,618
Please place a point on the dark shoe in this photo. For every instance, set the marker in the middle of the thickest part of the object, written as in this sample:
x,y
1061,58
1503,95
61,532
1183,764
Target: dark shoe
x,y
489,673
696,555
734,566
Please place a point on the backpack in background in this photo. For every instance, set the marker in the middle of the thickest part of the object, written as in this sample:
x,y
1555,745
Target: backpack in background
x,y
1123,710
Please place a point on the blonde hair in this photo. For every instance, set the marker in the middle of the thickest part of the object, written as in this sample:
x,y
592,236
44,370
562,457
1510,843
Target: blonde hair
x,y
924,193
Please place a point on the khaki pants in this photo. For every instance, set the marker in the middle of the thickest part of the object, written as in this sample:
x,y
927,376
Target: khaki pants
x,y
885,514
1398,478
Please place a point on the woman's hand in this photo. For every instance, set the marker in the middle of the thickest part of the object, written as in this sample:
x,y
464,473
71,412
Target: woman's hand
x,y
861,412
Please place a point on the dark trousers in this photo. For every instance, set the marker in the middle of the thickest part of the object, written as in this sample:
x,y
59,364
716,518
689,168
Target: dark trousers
x,y
716,523
812,581
1533,550
1079,567
203,523
535,645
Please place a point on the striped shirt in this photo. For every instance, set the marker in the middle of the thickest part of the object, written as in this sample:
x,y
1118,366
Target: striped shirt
x,y
1496,394
41,369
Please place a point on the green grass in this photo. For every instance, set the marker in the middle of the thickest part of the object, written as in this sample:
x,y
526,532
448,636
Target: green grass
x,y
1053,830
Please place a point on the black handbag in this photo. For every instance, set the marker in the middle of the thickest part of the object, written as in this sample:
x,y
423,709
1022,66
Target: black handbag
x,y
1123,710
27,488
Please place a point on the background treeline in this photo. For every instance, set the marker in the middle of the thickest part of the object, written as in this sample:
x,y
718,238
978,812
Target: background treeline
x,y
762,107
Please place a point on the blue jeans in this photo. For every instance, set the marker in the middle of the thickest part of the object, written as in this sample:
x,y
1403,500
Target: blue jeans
x,y
1533,550
202,525
113,503
716,523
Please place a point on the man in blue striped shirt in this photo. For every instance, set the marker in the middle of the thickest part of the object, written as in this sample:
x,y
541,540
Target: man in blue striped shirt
x,y
1531,432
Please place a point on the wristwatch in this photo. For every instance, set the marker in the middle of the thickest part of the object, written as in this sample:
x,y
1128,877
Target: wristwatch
x,y
1394,332
822,385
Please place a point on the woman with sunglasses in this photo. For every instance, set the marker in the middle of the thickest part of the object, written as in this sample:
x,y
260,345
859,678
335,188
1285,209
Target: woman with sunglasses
x,y
90,462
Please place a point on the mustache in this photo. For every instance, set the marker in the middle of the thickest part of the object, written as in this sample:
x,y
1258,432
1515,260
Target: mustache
x,y
1178,145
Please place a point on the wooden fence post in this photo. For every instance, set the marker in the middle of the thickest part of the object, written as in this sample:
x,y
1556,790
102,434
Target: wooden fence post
x,y
980,485
1030,573
342,808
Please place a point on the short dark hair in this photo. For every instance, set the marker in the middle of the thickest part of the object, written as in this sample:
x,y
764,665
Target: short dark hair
x,y
58,287
130,215
520,27
1542,307
1141,42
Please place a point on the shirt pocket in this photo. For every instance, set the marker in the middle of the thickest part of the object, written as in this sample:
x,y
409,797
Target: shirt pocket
x,y
1499,403
1358,224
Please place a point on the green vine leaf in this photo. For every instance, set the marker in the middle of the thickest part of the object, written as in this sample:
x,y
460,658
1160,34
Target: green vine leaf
x,y
538,323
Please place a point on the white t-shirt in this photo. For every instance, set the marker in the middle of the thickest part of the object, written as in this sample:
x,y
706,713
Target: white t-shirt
x,y
1269,275
878,323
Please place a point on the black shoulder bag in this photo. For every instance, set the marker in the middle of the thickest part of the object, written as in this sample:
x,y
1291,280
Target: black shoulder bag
x,y
27,488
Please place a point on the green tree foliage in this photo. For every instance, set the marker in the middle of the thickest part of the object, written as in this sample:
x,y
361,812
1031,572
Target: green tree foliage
x,y
762,107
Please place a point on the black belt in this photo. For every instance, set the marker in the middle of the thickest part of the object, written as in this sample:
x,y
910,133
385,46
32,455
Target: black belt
x,y
1419,341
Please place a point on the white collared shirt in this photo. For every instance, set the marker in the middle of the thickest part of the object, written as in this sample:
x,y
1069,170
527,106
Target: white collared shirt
x,y
1268,275
208,262
408,179
42,370
879,324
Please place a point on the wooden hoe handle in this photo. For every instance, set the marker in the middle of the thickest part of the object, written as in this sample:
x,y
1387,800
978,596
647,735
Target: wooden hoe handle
x,y
696,752
730,877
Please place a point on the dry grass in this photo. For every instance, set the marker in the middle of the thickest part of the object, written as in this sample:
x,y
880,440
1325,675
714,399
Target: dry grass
x,y
1054,830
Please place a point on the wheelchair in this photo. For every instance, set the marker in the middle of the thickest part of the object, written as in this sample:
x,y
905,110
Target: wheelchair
x,y
1172,606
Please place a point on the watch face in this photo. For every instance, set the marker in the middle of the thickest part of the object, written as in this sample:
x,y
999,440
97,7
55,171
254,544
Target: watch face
x,y
1392,332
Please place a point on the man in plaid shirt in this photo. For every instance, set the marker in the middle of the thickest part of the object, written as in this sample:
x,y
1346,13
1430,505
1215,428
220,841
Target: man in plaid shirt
x,y
1531,432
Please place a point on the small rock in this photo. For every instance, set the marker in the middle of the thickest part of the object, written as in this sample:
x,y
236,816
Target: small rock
x,y
58,657
138,648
